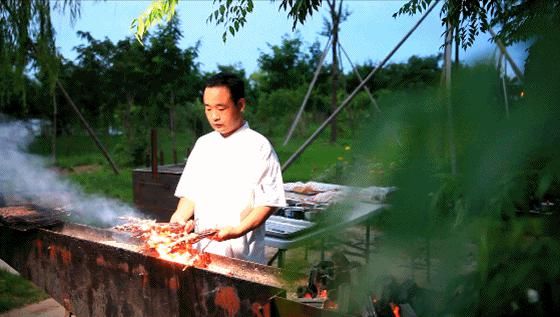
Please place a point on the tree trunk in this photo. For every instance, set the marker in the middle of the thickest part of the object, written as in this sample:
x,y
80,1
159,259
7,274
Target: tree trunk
x,y
126,117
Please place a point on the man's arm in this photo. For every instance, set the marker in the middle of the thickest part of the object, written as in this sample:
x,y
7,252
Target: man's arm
x,y
184,213
256,217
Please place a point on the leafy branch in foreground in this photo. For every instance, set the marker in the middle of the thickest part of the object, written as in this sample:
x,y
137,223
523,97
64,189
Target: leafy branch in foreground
x,y
232,14
517,20
154,14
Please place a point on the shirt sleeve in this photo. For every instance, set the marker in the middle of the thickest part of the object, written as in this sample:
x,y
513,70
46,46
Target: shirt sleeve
x,y
186,186
270,188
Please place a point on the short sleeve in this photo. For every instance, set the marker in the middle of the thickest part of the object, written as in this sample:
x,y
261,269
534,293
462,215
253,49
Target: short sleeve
x,y
270,188
186,186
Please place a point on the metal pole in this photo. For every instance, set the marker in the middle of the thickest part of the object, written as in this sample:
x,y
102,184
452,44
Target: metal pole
x,y
88,128
349,98
308,94
504,51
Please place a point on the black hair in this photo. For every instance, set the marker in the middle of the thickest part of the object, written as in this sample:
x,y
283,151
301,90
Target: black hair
x,y
234,83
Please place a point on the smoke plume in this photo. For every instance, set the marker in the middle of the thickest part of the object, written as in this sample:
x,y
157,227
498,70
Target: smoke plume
x,y
25,178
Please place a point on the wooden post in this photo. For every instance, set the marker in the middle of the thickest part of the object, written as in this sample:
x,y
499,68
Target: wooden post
x,y
154,154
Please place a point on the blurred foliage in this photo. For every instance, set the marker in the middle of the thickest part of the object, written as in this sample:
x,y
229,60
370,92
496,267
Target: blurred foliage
x,y
487,235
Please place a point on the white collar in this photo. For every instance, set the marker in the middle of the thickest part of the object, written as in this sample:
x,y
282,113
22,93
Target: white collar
x,y
242,128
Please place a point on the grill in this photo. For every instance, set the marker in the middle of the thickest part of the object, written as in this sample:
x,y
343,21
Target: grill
x,y
98,272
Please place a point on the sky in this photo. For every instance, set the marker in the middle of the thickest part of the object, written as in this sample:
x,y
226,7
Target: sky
x,y
369,33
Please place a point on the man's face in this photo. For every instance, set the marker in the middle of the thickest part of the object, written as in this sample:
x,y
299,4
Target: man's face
x,y
223,115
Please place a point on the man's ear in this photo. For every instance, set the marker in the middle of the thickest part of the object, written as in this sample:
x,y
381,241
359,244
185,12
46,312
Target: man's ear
x,y
241,104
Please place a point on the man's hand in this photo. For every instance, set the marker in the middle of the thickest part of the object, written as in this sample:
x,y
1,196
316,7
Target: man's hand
x,y
227,233
189,226
178,217
184,211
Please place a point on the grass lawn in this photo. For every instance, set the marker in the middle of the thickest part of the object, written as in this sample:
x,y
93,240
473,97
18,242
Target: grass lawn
x,y
80,160
16,291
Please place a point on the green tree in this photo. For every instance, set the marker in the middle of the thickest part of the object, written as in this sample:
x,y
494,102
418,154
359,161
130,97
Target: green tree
x,y
285,67
173,71
127,76
27,39
94,62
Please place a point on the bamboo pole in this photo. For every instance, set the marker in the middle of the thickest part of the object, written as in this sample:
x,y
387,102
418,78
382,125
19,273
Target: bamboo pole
x,y
366,88
450,125
88,128
308,94
346,101
503,75
82,119
504,51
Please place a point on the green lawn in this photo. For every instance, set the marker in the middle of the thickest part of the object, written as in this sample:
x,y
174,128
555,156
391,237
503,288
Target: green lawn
x,y
15,292
83,163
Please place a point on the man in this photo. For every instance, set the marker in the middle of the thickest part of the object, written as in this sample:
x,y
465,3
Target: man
x,y
232,180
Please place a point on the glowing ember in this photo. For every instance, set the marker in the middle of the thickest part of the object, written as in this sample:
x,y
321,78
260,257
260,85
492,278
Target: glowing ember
x,y
168,240
396,309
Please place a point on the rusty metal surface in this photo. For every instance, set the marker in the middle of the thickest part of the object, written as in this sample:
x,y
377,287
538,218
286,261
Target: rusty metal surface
x,y
94,279
155,196
27,217
280,306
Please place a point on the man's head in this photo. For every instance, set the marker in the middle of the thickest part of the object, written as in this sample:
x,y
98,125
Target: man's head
x,y
224,102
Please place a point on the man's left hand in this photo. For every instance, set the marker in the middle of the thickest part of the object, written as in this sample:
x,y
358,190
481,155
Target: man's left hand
x,y
227,233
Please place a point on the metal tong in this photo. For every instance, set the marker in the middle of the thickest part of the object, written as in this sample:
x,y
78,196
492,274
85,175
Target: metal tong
x,y
204,234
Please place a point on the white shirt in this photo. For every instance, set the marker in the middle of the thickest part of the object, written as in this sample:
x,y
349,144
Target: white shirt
x,y
225,176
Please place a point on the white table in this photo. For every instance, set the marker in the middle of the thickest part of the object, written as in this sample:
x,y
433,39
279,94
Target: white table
x,y
339,217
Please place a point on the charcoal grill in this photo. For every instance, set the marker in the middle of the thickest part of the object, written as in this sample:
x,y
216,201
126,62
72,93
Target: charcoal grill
x,y
77,266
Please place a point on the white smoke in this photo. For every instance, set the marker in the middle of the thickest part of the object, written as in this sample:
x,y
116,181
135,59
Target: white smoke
x,y
26,178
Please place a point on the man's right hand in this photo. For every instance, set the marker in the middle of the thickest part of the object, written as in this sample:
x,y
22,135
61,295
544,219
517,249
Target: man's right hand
x,y
189,224
184,214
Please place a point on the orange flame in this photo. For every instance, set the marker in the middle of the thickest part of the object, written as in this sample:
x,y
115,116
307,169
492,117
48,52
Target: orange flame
x,y
396,309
